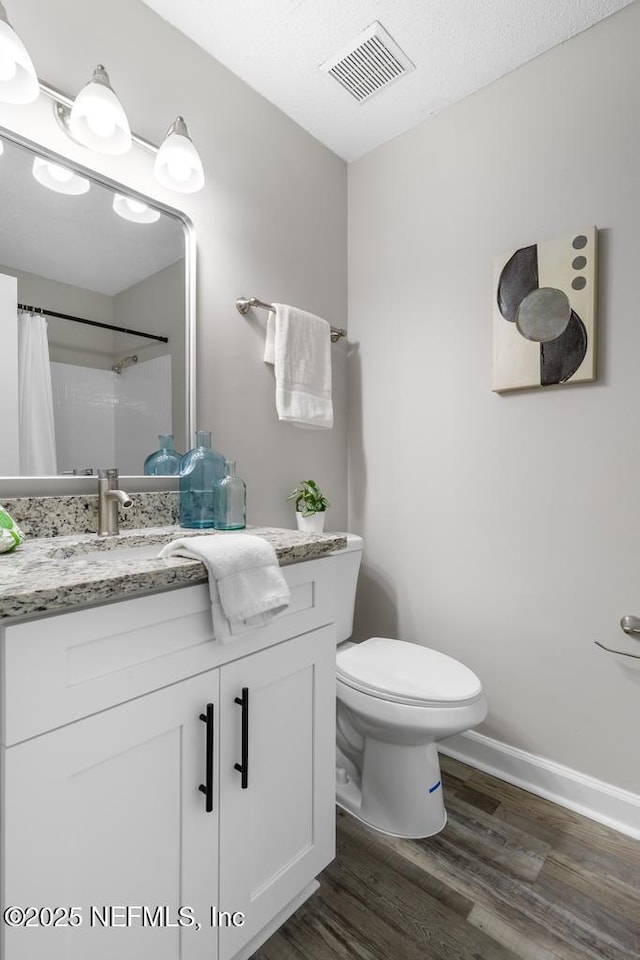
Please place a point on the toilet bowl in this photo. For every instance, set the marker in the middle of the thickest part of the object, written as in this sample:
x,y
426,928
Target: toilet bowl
x,y
395,701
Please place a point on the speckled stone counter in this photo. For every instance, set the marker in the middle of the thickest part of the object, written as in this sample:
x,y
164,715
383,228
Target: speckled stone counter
x,y
63,516
52,574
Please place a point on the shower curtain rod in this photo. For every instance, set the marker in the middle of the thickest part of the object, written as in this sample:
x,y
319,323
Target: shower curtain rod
x,y
90,323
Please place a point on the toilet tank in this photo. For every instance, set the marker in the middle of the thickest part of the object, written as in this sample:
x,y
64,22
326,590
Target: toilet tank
x,y
346,564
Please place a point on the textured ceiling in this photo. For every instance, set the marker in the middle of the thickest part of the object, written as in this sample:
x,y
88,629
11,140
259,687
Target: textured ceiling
x,y
457,46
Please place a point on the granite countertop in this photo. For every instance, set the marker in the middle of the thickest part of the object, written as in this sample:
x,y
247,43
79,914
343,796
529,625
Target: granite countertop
x,y
52,574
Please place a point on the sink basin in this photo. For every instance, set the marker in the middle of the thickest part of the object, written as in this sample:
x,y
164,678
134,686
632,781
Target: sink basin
x,y
90,549
106,550
143,551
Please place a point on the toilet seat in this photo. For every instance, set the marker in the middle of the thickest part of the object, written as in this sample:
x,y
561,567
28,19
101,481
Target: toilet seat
x,y
406,673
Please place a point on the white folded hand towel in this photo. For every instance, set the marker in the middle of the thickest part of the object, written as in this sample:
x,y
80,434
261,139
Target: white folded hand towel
x,y
246,585
299,346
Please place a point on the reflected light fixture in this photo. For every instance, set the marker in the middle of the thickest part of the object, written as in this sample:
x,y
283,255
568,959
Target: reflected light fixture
x,y
178,165
135,210
18,78
59,178
97,119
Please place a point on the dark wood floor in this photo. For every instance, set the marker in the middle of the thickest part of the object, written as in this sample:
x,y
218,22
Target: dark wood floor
x,y
511,876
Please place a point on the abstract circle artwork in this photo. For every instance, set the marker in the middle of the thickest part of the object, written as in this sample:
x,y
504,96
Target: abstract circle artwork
x,y
544,313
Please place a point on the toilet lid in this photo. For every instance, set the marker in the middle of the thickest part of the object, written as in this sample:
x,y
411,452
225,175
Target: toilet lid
x,y
406,672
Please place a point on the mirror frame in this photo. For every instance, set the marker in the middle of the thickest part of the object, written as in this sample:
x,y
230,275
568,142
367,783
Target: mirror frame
x,y
63,485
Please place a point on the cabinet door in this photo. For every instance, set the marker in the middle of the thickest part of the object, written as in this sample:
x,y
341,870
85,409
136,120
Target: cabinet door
x,y
278,832
106,814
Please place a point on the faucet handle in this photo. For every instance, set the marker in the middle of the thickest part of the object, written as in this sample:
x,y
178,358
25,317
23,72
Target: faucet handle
x,y
108,473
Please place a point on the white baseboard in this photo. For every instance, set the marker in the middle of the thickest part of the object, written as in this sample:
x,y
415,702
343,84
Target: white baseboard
x,y
592,798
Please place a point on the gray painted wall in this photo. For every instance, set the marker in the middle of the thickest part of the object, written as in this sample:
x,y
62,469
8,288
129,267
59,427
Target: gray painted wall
x,y
70,342
503,529
156,305
271,222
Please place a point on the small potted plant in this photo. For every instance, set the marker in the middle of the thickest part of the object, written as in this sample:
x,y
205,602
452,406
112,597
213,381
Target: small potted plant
x,y
311,505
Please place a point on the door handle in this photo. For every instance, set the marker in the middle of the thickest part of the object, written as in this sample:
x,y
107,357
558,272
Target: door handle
x,y
243,766
207,786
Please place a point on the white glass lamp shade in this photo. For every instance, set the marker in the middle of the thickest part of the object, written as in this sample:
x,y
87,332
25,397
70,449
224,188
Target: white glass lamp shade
x,y
178,165
135,210
97,119
59,178
18,78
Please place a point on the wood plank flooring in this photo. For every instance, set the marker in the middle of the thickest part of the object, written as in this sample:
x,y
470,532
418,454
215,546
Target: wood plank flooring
x,y
511,877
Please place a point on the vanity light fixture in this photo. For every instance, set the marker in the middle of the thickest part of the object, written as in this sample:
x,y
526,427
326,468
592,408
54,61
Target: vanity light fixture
x,y
97,119
135,210
18,78
59,178
178,165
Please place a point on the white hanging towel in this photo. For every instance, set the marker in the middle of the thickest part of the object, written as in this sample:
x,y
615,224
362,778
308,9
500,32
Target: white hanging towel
x,y
299,347
246,585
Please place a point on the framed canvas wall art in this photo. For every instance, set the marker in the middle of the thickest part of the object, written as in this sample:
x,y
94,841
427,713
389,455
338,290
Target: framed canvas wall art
x,y
544,314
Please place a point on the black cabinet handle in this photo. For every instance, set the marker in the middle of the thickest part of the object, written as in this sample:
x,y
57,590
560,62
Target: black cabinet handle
x,y
207,788
243,767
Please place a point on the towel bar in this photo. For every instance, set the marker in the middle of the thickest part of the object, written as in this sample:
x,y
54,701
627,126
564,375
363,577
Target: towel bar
x,y
243,304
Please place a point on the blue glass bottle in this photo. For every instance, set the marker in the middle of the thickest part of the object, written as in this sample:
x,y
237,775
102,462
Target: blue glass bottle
x,y
200,470
165,461
230,500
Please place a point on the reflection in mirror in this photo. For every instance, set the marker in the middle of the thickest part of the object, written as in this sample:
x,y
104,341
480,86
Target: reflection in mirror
x,y
93,323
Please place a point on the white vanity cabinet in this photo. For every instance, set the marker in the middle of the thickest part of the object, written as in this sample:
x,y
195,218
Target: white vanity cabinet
x,y
106,812
153,777
278,831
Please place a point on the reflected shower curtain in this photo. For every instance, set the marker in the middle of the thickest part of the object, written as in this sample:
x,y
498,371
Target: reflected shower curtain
x,y
36,425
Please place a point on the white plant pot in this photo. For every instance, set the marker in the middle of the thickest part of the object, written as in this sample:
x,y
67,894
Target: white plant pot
x,y
312,524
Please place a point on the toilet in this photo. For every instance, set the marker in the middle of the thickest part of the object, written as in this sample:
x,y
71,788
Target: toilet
x,y
395,701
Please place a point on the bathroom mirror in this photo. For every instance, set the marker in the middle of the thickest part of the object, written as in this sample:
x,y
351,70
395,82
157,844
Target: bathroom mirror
x,y
113,273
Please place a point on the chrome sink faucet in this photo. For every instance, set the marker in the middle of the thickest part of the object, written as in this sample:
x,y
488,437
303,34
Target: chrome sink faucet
x,y
109,496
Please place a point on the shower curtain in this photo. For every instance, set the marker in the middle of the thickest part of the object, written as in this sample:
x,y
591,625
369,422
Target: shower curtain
x,y
36,425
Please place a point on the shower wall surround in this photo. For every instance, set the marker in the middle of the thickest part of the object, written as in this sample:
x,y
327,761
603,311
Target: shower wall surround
x,y
104,418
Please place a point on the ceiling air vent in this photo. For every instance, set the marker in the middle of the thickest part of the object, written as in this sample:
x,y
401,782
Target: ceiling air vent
x,y
369,63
